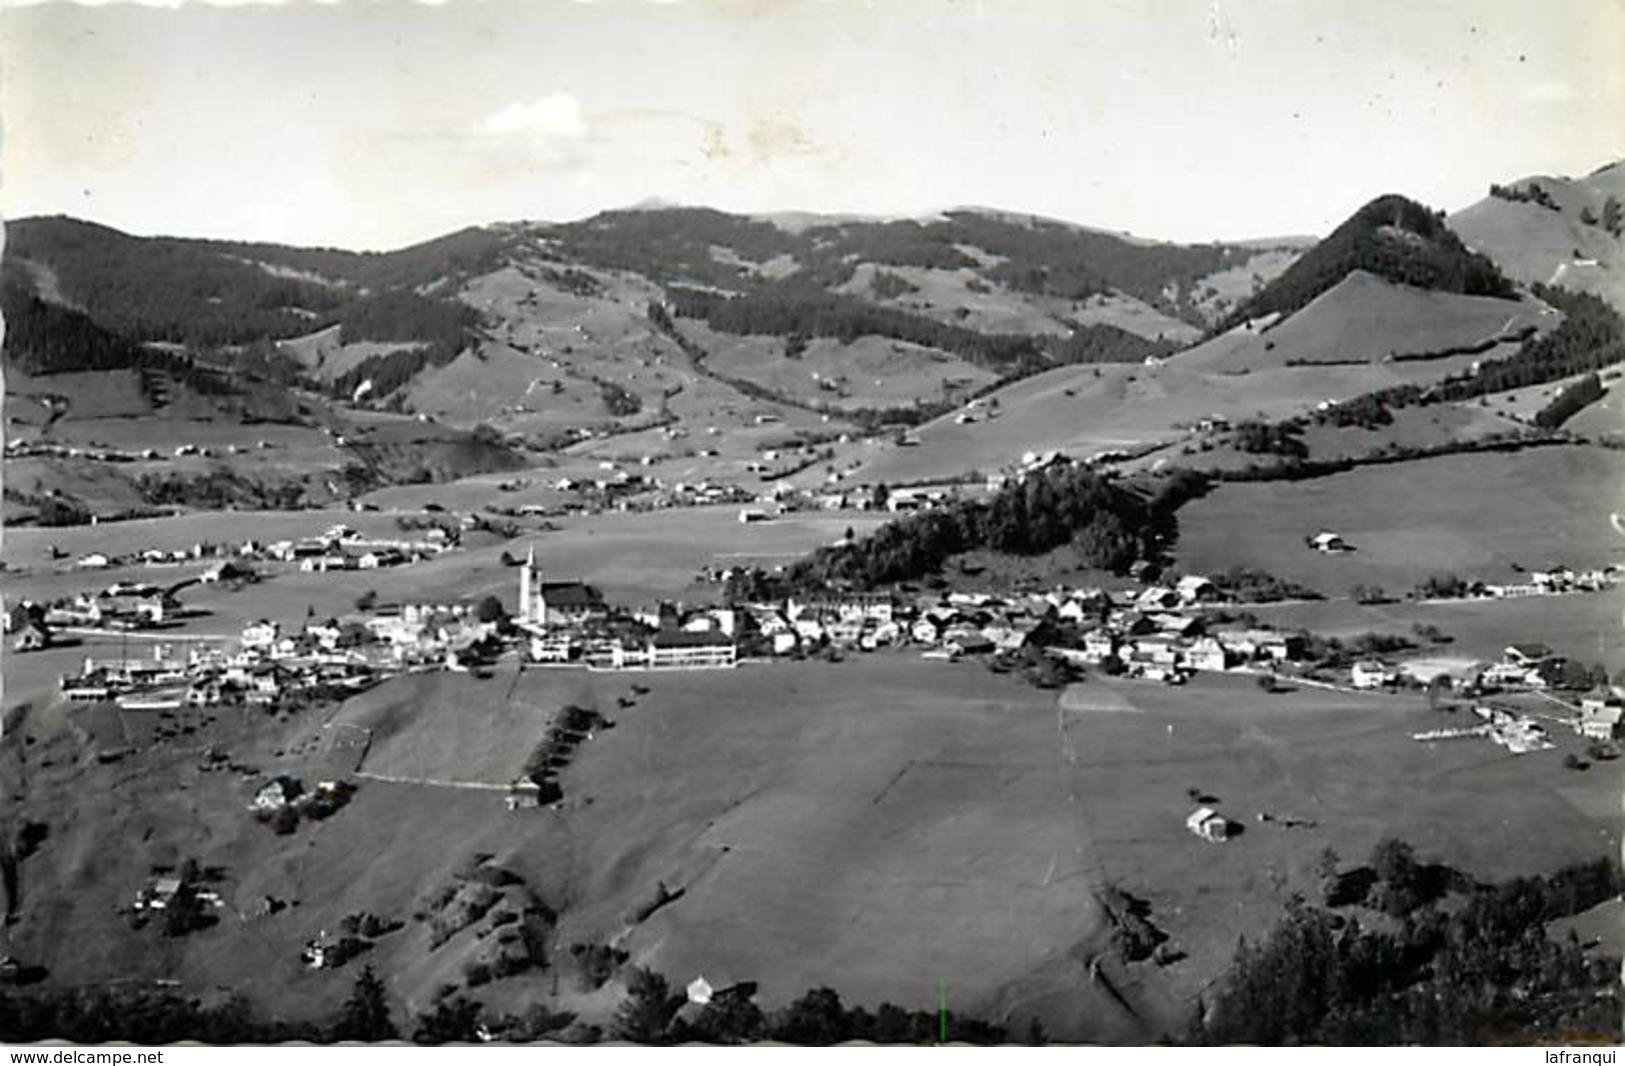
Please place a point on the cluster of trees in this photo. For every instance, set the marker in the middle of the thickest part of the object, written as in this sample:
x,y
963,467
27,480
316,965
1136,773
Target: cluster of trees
x,y
886,285
1368,412
1391,236
1612,218
1271,438
218,489
405,316
1243,585
1532,193
620,402
1103,343
1570,402
390,371
1107,523
1457,963
1446,586
558,745
1332,653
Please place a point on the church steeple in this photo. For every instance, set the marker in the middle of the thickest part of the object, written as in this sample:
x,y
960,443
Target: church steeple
x,y
528,587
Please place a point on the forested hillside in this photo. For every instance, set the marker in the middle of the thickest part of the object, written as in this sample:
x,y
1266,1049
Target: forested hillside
x,y
1392,237
1108,523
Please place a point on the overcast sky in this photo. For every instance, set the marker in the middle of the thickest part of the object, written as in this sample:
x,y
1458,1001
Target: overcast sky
x,y
374,125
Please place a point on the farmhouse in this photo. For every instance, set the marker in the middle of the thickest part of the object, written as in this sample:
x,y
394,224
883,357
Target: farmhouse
x,y
524,794
225,570
1372,673
30,635
1602,723
1100,644
1328,542
277,793
1527,655
1206,653
1209,824
1196,589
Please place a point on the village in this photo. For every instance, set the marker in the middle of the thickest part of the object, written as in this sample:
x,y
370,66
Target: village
x,y
1156,633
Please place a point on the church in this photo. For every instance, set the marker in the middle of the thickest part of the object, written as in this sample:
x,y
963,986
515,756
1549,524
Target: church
x,y
555,603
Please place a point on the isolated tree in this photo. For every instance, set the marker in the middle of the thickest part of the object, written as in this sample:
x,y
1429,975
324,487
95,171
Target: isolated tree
x,y
1326,868
1438,689
1611,220
1393,860
365,1015
490,609
367,600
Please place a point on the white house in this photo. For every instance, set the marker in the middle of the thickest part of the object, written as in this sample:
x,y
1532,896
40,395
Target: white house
x,y
1196,589
1206,653
1100,644
1371,673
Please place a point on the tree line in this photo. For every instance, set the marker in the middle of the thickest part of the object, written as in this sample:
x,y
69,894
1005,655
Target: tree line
x,y
651,1013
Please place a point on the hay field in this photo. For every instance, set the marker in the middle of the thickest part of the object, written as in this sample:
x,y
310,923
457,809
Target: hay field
x,y
878,825
1369,318
1476,515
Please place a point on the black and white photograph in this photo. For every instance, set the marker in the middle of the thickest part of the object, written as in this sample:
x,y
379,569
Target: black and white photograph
x,y
883,523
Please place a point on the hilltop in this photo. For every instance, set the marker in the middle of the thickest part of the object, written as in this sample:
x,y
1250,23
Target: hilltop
x,y
1554,230
1391,237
